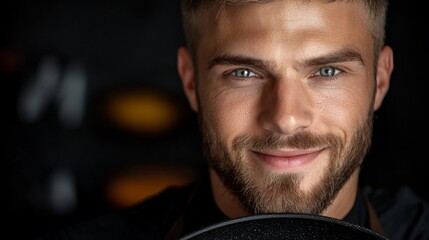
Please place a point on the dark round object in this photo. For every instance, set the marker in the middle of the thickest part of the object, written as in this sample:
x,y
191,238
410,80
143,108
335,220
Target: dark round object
x,y
284,226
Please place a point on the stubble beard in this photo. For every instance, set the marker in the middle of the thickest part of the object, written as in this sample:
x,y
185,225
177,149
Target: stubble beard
x,y
280,193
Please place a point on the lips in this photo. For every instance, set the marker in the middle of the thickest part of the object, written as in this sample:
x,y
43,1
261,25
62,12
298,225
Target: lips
x,y
287,160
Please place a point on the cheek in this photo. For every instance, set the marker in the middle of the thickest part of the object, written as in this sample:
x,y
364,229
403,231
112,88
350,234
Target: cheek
x,y
230,113
344,111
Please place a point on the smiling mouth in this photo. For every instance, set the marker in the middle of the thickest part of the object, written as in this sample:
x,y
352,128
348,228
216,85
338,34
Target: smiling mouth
x,y
292,160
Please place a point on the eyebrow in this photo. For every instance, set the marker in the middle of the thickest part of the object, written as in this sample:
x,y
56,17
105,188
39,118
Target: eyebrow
x,y
343,55
226,59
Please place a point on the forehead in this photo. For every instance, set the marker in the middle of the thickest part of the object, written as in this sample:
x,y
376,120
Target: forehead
x,y
305,25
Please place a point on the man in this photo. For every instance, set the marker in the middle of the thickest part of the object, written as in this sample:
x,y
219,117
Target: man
x,y
285,93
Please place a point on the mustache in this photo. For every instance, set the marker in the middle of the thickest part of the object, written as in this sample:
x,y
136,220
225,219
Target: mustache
x,y
299,140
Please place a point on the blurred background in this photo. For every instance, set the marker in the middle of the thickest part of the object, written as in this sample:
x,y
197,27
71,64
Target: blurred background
x,y
94,118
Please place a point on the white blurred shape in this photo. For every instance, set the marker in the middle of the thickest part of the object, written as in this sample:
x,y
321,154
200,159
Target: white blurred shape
x,y
62,192
36,96
71,96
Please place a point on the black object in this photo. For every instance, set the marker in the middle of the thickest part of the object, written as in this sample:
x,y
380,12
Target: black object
x,y
284,226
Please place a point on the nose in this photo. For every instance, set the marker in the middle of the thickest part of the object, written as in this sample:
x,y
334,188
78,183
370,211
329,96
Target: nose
x,y
287,106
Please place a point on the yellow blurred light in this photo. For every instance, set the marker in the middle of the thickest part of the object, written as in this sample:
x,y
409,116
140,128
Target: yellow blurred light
x,y
143,111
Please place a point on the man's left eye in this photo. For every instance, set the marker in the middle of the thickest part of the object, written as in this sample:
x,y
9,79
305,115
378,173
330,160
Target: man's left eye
x,y
327,72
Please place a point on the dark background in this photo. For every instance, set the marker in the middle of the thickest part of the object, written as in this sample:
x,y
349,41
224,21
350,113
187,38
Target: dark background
x,y
63,152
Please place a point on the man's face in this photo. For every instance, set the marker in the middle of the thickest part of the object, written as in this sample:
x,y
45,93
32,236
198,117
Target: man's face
x,y
285,99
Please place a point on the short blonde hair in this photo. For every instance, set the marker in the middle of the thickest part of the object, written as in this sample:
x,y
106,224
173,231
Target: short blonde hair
x,y
376,9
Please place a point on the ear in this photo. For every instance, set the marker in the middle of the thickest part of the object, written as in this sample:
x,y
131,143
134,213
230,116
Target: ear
x,y
384,71
186,71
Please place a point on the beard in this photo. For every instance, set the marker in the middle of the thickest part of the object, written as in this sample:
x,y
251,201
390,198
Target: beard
x,y
262,191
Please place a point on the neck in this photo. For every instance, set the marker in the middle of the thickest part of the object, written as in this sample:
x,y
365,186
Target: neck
x,y
224,199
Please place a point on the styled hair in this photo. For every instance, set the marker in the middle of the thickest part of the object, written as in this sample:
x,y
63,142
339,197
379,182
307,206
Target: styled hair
x,y
191,10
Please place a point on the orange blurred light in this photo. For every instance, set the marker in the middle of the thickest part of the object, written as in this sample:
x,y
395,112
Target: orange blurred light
x,y
131,187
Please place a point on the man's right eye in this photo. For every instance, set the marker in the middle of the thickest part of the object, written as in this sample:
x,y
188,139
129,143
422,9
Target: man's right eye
x,y
243,73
